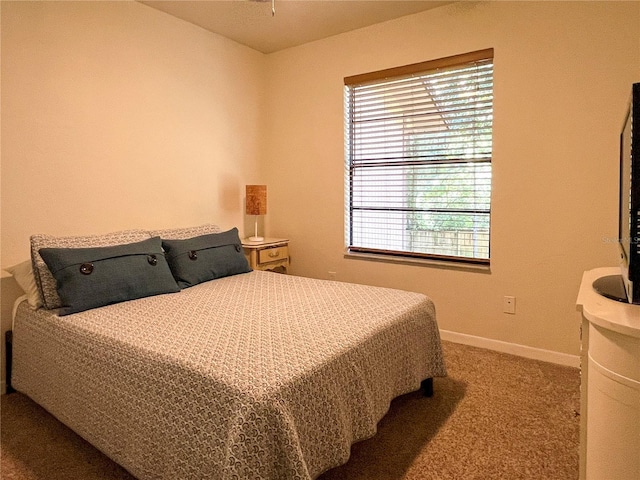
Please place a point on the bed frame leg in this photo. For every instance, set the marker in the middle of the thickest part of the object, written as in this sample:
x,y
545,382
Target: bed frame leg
x,y
8,349
427,387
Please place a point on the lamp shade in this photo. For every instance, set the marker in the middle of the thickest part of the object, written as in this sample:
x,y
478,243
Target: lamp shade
x,y
256,199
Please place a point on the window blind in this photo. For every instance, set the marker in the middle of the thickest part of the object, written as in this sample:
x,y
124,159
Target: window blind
x,y
418,148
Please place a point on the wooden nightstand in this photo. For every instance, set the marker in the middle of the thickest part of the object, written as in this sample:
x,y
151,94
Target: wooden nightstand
x,y
270,254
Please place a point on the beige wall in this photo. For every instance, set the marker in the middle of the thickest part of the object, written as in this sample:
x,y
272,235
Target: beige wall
x,y
563,72
117,116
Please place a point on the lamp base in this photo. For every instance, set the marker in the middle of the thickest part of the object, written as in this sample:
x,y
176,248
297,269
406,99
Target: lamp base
x,y
256,239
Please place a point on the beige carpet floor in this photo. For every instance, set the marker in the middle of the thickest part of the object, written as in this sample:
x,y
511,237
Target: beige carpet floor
x,y
496,416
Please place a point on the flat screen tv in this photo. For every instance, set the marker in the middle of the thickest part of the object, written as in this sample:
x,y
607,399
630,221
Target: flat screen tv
x,y
629,218
626,286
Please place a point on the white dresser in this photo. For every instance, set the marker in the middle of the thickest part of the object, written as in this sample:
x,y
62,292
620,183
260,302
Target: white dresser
x,y
610,386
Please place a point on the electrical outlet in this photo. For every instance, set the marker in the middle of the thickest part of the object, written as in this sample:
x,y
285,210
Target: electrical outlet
x,y
331,275
509,305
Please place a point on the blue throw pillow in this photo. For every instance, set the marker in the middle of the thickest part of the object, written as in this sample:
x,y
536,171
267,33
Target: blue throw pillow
x,y
93,277
207,257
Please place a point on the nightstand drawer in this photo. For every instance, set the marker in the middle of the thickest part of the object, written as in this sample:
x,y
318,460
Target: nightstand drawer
x,y
273,254
270,254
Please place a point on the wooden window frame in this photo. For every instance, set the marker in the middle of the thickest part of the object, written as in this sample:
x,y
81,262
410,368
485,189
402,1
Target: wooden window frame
x,y
451,63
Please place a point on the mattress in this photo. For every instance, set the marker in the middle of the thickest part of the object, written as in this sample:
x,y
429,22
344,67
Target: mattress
x,y
253,376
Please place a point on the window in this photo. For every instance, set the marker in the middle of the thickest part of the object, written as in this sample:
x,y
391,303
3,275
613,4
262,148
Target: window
x,y
418,147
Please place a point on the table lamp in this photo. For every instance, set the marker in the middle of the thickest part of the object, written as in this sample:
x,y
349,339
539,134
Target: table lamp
x,y
256,205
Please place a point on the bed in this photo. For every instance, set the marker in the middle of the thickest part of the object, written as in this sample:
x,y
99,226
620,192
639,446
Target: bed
x,y
255,375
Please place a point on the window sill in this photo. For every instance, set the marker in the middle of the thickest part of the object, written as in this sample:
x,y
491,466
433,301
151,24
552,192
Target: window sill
x,y
469,267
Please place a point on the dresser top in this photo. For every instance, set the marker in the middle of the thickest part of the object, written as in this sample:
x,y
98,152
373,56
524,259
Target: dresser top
x,y
619,317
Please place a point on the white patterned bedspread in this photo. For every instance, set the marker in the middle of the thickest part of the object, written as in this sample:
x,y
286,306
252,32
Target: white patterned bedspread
x,y
254,376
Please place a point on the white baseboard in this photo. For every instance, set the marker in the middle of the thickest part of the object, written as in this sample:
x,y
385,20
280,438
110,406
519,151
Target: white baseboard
x,y
512,348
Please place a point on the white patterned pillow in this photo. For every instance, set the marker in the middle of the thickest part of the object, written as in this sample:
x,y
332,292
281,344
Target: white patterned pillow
x,y
185,233
45,280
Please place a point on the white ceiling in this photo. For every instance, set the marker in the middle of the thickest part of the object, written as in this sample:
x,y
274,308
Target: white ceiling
x,y
295,22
